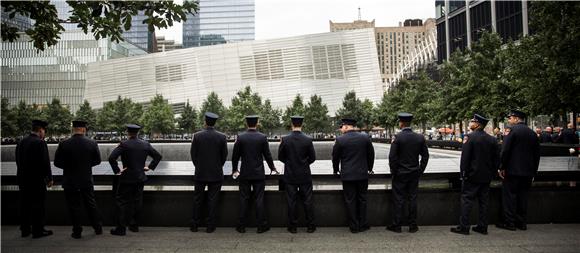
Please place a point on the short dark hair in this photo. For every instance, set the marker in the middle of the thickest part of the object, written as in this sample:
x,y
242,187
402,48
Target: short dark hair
x,y
406,123
210,122
37,128
297,124
252,123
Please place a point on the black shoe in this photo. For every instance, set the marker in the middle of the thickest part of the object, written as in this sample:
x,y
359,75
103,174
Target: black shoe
x,y
396,229
522,227
241,229
98,230
460,230
263,229
292,230
210,229
25,233
76,235
509,227
118,231
193,228
480,230
354,230
42,233
311,229
413,229
134,228
364,228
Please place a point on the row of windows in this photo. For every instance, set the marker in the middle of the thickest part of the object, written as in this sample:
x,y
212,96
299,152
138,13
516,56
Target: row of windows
x,y
316,62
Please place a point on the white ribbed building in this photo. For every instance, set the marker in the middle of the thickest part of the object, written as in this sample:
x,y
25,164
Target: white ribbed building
x,y
326,64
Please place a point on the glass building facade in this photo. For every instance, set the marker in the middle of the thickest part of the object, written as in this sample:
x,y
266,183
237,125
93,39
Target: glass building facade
x,y
460,23
326,64
60,71
220,21
56,72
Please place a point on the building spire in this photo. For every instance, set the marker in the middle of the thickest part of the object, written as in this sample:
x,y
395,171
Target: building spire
x,y
359,16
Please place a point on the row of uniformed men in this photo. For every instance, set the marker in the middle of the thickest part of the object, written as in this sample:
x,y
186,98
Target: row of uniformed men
x,y
352,158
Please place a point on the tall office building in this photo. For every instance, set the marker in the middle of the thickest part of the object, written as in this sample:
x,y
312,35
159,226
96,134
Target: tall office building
x,y
398,48
60,70
139,34
460,23
220,21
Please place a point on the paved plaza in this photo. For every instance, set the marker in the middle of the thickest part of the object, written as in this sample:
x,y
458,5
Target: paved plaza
x,y
539,238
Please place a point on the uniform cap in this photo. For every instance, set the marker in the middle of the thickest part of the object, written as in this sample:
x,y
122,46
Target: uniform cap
x,y
133,128
405,117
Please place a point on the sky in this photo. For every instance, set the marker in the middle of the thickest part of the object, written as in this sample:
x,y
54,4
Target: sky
x,y
285,18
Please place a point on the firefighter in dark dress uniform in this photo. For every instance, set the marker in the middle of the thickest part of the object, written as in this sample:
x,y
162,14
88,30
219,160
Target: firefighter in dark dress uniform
x,y
406,170
252,148
34,175
76,156
520,159
479,161
296,151
129,195
209,151
353,156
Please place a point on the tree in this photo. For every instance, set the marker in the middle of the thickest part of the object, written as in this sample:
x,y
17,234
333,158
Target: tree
x,y
59,118
316,119
244,103
544,66
187,120
158,118
105,117
270,119
212,104
8,120
297,108
367,117
351,108
24,115
115,115
103,18
86,113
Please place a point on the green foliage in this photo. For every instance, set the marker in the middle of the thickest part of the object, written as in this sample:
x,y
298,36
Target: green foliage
x,y
24,114
352,108
244,103
296,109
58,117
316,118
103,18
270,119
212,104
158,118
188,118
86,113
8,120
115,115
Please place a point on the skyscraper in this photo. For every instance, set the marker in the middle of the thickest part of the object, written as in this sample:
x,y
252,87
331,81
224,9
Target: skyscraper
x,y
220,21
400,47
460,23
60,70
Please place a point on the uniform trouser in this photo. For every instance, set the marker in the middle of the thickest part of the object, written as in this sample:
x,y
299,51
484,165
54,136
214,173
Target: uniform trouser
x,y
213,190
32,211
304,191
129,198
75,198
246,187
470,191
405,187
355,198
515,199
